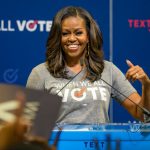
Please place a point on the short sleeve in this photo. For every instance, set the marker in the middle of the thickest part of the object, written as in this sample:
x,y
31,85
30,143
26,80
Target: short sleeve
x,y
35,80
123,87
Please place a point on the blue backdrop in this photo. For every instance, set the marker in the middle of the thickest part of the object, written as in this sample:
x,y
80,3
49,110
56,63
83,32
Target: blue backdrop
x,y
24,27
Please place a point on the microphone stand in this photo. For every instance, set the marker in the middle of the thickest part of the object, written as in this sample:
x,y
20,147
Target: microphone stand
x,y
144,110
54,146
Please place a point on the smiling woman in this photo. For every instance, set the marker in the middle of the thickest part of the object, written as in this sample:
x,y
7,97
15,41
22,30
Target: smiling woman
x,y
74,39
74,58
78,37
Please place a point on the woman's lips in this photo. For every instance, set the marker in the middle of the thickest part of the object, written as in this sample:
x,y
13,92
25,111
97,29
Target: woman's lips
x,y
73,47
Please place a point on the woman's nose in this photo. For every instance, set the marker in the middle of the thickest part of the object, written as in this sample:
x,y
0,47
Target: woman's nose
x,y
72,37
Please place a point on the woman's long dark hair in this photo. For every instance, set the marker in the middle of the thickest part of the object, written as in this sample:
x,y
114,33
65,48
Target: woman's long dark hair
x,y
94,54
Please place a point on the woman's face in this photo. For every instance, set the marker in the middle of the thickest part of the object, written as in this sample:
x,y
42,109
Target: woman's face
x,y
74,37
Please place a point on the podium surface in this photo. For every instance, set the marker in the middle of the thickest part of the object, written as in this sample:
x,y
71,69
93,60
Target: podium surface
x,y
102,136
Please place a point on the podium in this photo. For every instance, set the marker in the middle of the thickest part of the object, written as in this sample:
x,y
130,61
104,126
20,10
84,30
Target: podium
x,y
133,136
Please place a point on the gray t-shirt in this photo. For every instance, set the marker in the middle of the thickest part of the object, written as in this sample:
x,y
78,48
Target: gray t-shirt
x,y
83,101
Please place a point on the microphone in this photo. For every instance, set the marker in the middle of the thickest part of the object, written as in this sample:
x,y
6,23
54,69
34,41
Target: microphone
x,y
82,64
144,110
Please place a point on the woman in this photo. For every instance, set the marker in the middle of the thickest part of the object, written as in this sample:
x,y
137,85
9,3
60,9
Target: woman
x,y
75,70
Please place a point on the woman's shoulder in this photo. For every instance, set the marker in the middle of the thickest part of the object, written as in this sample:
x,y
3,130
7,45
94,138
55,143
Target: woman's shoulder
x,y
41,67
108,64
41,70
